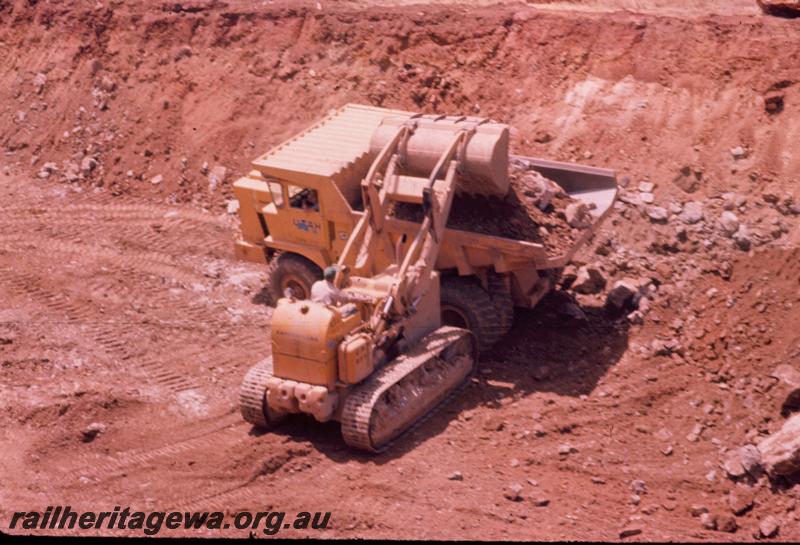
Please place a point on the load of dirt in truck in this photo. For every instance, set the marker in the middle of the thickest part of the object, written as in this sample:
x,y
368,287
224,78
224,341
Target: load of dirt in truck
x,y
535,209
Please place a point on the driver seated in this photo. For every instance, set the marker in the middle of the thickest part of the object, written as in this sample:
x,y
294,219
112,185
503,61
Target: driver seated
x,y
325,291
310,202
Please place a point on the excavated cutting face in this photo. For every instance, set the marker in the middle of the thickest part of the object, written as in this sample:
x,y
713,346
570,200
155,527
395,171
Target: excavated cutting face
x,y
329,147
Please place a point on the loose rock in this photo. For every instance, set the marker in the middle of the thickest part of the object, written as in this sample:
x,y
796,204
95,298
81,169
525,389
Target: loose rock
x,y
729,222
577,214
646,187
88,164
621,294
540,501
780,8
657,214
47,169
589,280
708,521
540,189
216,176
742,461
92,431
39,81
740,501
107,84
513,492
742,238
767,528
727,523
638,487
183,52
647,198
787,391
565,450
630,531
738,152
692,212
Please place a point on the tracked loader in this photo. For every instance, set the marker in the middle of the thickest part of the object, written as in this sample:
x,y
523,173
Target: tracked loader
x,y
380,365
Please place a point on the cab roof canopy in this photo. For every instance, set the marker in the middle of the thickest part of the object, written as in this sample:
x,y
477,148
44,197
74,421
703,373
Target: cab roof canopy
x,y
330,149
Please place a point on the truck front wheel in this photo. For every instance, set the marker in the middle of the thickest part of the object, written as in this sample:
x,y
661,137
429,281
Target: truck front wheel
x,y
288,270
467,305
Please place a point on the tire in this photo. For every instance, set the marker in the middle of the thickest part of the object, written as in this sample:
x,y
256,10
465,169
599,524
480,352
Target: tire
x,y
503,303
288,270
467,305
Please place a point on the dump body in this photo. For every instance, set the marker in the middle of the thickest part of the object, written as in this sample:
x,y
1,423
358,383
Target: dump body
x,y
272,221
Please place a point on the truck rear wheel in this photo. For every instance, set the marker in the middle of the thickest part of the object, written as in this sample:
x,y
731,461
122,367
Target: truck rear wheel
x,y
467,305
288,270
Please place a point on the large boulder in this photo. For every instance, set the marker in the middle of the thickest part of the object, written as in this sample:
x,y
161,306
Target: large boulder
x,y
780,452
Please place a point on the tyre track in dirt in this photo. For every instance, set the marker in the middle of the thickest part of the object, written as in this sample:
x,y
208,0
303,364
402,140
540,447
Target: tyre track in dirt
x,y
145,231
153,226
96,238
228,429
153,262
105,333
139,276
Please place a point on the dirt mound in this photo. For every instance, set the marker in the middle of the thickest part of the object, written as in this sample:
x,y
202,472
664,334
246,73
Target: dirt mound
x,y
148,101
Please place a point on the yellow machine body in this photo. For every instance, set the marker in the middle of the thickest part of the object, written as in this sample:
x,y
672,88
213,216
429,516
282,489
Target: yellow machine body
x,y
305,342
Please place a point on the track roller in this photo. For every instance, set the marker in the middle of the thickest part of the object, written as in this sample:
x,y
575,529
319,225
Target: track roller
x,y
407,389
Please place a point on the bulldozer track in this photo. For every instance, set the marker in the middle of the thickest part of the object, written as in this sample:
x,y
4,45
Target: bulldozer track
x,y
360,405
244,492
251,394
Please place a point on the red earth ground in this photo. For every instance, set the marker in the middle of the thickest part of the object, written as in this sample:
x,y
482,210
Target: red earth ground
x,y
123,303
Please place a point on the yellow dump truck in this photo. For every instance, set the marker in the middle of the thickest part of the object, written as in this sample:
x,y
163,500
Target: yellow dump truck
x,y
303,199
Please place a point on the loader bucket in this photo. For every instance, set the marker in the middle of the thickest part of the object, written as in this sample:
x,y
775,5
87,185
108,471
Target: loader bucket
x,y
484,164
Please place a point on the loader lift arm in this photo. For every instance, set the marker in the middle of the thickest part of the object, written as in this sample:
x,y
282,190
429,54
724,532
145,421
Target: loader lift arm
x,y
383,185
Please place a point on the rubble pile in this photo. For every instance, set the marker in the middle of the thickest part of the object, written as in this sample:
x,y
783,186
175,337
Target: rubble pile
x,y
535,209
